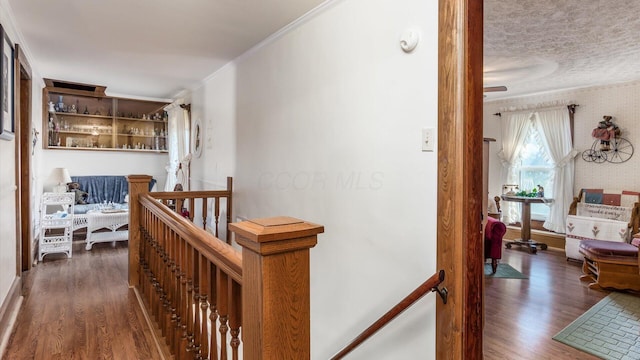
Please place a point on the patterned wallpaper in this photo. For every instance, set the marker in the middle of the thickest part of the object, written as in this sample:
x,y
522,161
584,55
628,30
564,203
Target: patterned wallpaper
x,y
622,101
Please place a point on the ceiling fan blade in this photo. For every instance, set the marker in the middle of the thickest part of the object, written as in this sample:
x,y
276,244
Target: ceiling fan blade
x,y
494,88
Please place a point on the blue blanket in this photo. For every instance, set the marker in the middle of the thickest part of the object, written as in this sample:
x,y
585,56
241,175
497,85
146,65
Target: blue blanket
x,y
109,188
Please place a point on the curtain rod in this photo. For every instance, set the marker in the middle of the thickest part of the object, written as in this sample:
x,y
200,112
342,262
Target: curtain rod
x,y
572,107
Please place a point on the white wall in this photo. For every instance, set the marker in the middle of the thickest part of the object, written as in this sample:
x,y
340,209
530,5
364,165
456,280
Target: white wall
x,y
214,105
7,217
87,162
8,189
617,100
324,124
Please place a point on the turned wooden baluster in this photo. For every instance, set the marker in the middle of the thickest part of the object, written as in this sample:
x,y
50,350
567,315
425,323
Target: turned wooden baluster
x,y
155,266
181,331
190,303
197,294
148,263
179,205
216,214
191,207
229,208
212,270
187,310
147,256
235,317
143,263
164,258
141,253
152,261
149,269
175,281
158,264
204,207
164,232
223,311
184,300
204,291
154,279
161,232
163,276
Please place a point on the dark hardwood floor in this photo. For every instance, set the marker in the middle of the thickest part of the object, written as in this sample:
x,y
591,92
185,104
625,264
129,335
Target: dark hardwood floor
x,y
81,308
522,316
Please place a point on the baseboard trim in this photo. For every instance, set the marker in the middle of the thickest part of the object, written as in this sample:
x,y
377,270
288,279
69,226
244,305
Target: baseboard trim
x,y
163,350
552,239
9,313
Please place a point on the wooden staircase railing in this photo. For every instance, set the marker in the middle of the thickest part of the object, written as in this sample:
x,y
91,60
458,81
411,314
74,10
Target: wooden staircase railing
x,y
202,201
430,285
202,292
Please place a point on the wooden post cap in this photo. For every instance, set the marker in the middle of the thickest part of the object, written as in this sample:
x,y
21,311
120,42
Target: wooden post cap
x,y
276,234
139,178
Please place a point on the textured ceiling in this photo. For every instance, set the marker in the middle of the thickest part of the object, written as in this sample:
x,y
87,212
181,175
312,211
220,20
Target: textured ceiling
x,y
541,45
152,48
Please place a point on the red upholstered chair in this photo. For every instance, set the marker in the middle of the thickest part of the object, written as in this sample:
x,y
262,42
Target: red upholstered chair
x,y
493,233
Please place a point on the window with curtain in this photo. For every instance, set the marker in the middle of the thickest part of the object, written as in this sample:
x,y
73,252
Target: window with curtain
x,y
535,167
537,150
178,135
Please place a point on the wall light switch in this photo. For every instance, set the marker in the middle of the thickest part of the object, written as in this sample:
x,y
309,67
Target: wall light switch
x,y
428,139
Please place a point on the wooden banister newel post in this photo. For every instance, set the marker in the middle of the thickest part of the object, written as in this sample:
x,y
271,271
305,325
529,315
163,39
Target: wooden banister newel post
x,y
138,184
275,286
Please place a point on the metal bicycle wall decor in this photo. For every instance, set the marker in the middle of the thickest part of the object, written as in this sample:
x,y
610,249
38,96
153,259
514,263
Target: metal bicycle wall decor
x,y
609,146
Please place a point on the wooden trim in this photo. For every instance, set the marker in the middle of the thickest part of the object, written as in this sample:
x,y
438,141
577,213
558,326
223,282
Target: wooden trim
x,y
459,322
23,180
99,90
156,333
24,63
18,164
9,312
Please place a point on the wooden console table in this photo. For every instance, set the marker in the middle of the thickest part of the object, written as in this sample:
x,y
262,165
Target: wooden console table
x,y
525,221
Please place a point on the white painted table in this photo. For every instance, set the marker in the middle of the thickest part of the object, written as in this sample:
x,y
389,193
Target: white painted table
x,y
109,219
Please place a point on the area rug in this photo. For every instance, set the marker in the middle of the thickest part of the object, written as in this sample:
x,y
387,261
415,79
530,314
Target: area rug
x,y
504,271
609,330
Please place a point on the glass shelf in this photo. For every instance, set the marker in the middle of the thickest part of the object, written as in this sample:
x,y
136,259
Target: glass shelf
x,y
73,121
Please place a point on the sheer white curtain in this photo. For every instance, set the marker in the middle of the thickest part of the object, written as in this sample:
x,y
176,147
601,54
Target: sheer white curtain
x,y
178,146
554,124
515,128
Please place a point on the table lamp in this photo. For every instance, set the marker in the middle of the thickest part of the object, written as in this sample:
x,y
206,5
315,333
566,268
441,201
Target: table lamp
x,y
60,177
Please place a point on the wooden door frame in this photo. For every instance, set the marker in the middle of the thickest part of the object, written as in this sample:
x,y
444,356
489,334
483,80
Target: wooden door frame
x,y
23,155
459,228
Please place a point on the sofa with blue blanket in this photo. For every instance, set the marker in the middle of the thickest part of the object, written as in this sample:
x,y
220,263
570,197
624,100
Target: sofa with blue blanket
x,y
101,189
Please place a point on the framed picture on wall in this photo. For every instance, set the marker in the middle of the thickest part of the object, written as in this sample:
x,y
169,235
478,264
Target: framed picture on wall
x,y
196,139
7,115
